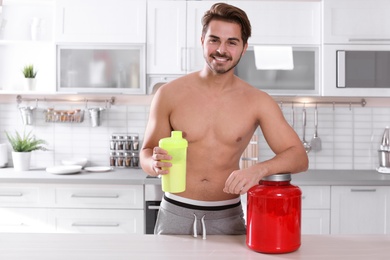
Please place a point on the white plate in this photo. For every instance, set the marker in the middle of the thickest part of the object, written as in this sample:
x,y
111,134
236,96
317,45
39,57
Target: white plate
x,y
64,169
98,169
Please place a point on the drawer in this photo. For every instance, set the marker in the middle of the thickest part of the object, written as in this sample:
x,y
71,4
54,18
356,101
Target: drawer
x,y
23,195
315,197
94,221
24,220
100,196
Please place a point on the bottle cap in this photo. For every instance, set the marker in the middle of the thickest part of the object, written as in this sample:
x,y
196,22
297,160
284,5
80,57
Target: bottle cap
x,y
175,141
278,177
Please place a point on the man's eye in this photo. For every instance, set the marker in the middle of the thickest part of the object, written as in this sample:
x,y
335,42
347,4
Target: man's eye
x,y
233,43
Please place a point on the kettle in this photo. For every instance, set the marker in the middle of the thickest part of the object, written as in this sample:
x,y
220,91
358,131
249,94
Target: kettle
x,y
384,150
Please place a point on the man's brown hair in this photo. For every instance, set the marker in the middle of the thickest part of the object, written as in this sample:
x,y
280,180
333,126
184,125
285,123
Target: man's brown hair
x,y
228,13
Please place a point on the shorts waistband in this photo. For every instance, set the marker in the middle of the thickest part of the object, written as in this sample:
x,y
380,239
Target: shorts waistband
x,y
201,205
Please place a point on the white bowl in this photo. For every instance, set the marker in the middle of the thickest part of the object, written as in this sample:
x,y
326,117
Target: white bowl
x,y
75,161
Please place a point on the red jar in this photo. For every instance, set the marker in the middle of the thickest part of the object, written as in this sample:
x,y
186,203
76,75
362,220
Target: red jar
x,y
274,215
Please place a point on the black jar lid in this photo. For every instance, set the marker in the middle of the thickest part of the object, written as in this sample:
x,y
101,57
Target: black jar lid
x,y
278,177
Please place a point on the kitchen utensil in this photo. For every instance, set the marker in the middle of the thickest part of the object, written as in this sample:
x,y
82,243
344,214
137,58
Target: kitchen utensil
x,y
75,161
315,142
98,169
95,114
385,143
64,169
306,144
384,158
27,115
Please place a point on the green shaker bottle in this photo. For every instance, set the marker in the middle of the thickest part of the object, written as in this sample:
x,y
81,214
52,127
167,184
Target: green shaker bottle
x,y
176,146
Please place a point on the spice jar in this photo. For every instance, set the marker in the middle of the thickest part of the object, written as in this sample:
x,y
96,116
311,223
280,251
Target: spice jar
x,y
112,159
135,160
127,160
120,160
274,215
135,143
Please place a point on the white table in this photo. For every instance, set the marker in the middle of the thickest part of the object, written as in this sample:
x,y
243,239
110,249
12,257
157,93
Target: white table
x,y
118,247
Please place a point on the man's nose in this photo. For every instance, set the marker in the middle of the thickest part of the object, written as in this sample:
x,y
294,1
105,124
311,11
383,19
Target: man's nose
x,y
221,49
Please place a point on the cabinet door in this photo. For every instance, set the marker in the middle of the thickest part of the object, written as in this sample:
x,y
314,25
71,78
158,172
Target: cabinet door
x,y
283,22
359,209
166,37
115,21
24,220
100,196
97,221
195,12
356,21
315,210
315,222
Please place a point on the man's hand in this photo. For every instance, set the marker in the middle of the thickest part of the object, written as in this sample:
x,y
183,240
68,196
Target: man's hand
x,y
160,167
240,181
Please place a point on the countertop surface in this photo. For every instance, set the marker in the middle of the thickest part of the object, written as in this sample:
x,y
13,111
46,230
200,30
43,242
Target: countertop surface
x,y
118,246
138,177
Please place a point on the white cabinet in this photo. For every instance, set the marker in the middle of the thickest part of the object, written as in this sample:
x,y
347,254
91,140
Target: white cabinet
x,y
315,210
94,221
72,208
283,22
26,37
115,21
174,36
166,37
360,210
356,21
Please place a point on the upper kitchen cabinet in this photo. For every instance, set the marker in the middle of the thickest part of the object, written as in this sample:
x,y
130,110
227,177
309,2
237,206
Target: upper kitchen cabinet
x,y
283,22
115,21
356,21
26,37
174,36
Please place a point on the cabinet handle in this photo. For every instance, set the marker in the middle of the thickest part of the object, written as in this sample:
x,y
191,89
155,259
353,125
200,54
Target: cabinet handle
x,y
114,196
153,207
15,194
363,190
183,59
369,39
303,197
95,225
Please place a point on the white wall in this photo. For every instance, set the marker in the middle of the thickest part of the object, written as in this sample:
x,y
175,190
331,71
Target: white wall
x,y
350,136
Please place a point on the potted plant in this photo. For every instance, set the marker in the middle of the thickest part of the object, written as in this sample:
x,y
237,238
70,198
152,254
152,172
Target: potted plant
x,y
29,74
22,146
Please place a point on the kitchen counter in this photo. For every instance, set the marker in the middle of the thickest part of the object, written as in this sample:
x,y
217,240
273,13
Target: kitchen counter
x,y
137,176
119,246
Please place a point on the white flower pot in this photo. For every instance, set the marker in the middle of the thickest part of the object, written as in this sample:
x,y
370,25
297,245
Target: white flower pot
x,y
21,161
30,83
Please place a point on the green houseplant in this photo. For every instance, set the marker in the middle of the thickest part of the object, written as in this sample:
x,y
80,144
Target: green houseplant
x,y
22,146
29,74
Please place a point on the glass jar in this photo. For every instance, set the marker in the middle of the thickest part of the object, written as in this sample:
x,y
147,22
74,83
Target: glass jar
x,y
127,160
135,143
274,215
135,160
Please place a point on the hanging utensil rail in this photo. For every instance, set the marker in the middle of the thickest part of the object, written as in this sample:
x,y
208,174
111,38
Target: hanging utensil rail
x,y
110,101
362,102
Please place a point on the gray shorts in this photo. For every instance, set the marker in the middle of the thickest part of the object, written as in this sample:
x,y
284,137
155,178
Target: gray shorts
x,y
178,218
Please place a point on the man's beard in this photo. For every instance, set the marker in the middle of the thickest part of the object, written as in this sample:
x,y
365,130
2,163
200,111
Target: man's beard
x,y
221,70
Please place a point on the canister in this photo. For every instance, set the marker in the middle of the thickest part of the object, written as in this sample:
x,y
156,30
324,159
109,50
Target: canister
x,y
274,215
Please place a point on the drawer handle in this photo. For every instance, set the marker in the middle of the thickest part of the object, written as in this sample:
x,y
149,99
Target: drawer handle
x,y
363,190
95,225
153,207
16,194
303,197
369,39
114,196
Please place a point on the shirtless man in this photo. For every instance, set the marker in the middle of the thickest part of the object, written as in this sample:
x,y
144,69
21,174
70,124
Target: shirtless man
x,y
218,113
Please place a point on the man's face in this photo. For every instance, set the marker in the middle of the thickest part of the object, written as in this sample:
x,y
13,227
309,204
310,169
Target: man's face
x,y
223,46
